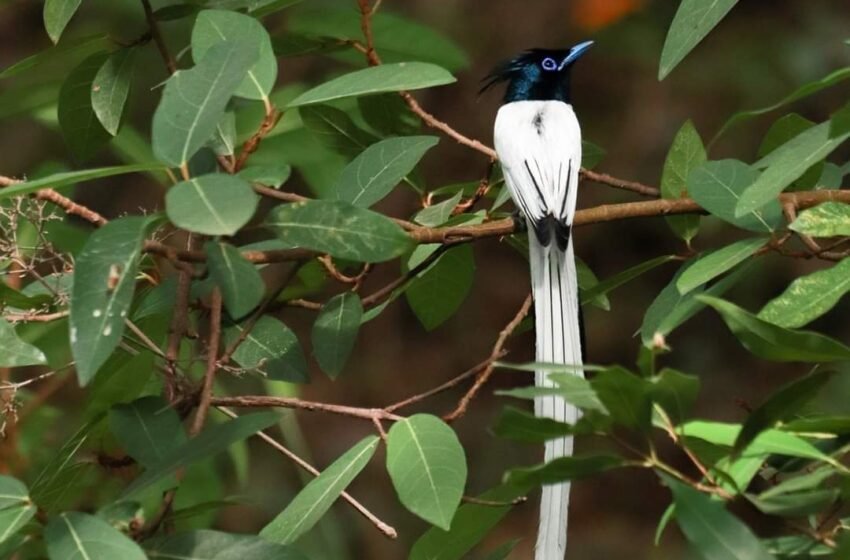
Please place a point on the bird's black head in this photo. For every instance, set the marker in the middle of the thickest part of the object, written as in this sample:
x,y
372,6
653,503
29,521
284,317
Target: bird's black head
x,y
538,74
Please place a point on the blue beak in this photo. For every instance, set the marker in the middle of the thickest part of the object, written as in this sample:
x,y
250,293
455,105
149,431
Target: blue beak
x,y
575,53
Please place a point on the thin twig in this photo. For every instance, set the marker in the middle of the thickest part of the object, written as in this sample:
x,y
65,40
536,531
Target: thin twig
x,y
214,340
169,61
384,528
485,374
263,401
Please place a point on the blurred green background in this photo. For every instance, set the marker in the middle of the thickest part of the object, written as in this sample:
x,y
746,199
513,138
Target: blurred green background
x,y
762,51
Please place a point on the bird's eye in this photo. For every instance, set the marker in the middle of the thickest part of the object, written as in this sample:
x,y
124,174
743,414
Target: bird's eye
x,y
549,64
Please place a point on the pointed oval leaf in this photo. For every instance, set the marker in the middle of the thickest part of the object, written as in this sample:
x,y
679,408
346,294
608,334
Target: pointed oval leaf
x,y
625,396
74,536
204,544
374,173
427,465
305,510
524,426
686,154
194,101
714,532
335,332
717,186
104,282
824,220
401,76
57,14
268,175
241,285
776,343
68,178
214,204
339,229
767,442
270,347
624,277
808,297
16,508
16,352
148,429
81,129
389,115
111,87
713,264
335,129
786,164
563,469
214,26
436,294
212,440
693,21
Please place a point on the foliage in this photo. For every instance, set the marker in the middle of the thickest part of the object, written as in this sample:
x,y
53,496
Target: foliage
x,y
166,318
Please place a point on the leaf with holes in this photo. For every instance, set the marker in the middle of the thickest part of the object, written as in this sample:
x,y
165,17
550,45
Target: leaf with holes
x,y
104,282
270,347
214,26
305,510
214,204
335,332
81,129
427,465
400,76
373,174
111,87
194,101
73,536
241,285
339,229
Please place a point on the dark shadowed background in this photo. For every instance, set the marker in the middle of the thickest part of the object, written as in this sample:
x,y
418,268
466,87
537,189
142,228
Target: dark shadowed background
x,y
761,52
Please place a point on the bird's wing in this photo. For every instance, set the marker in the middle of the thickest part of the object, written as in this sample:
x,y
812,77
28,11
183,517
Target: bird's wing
x,y
539,146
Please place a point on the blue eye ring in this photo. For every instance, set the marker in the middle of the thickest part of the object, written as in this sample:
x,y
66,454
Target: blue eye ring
x,y
549,64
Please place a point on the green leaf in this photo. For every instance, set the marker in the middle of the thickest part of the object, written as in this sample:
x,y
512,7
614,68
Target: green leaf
x,y
587,280
671,309
520,425
335,332
57,14
829,219
401,76
675,392
800,546
111,87
798,504
398,39
470,525
241,285
712,531
305,510
563,469
625,397
16,508
62,470
714,263
214,545
269,175
438,214
339,229
272,348
827,81
335,129
775,343
693,21
436,294
214,26
214,204
768,442
718,185
388,114
67,178
374,173
808,297
808,481
211,441
194,101
784,129
591,154
783,404
104,282
148,429
16,352
614,282
785,165
503,551
81,129
427,466
840,122
59,56
686,154
78,536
